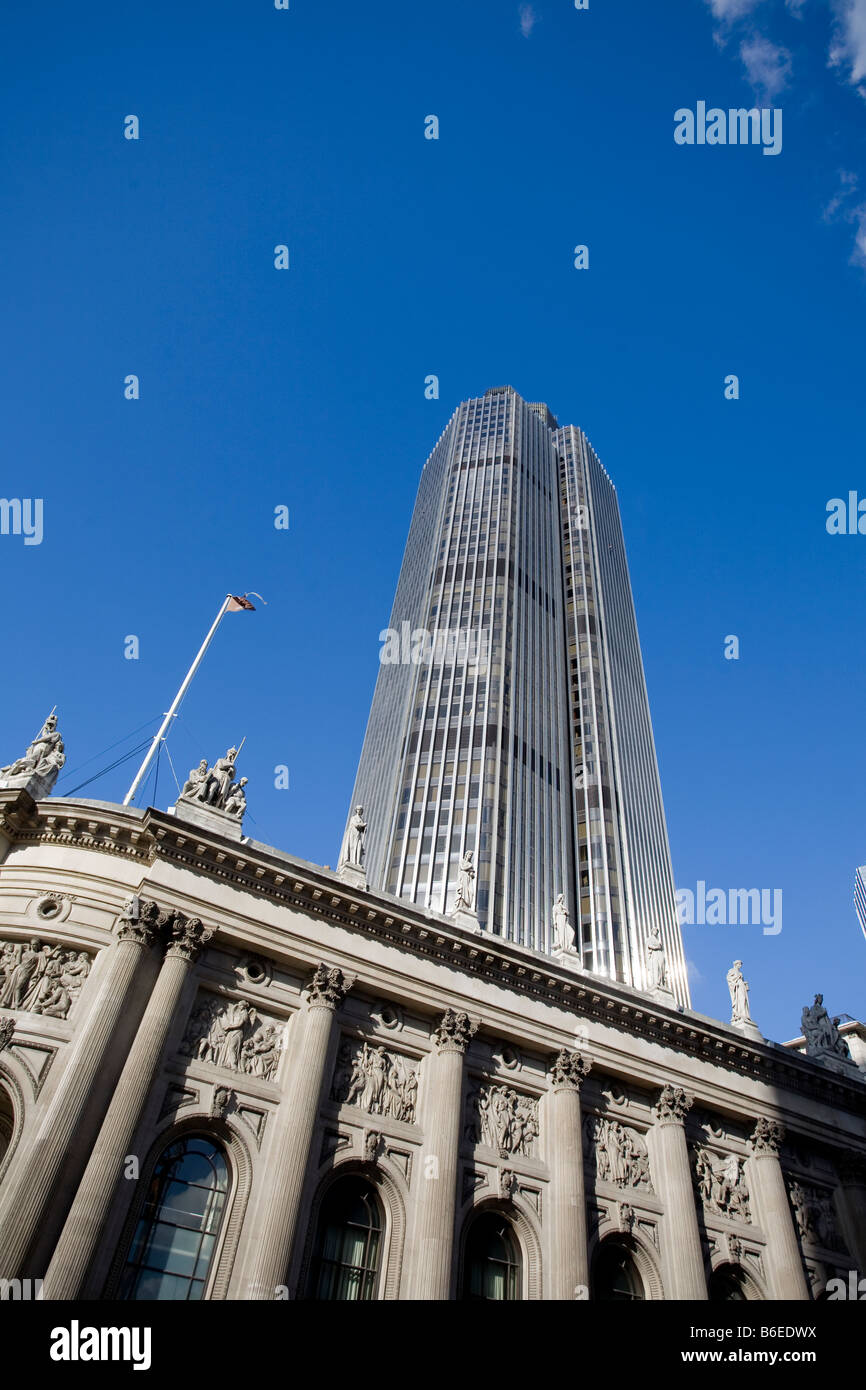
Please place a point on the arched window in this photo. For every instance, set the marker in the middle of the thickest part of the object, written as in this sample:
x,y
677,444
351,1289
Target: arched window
x,y
173,1246
727,1285
7,1123
348,1243
615,1276
492,1263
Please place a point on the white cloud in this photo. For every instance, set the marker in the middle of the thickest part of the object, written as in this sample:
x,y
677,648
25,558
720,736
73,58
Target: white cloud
x,y
528,20
848,49
844,207
728,11
768,66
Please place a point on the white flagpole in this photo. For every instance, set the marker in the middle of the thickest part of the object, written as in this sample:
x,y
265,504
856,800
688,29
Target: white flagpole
x,y
158,737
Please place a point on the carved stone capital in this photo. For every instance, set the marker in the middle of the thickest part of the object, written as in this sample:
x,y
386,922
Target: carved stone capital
x,y
328,987
7,1029
673,1104
454,1031
767,1138
568,1070
187,936
141,921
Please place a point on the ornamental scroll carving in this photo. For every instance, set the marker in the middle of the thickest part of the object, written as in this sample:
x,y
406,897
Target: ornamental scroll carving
x,y
814,1216
721,1182
40,978
380,1082
620,1153
233,1035
503,1120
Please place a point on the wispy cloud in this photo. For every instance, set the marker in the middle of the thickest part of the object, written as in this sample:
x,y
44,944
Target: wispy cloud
x,y
528,20
729,11
846,205
848,46
768,66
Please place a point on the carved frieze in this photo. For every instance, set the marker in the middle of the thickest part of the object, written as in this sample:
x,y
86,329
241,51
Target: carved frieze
x,y
503,1119
40,978
233,1035
380,1082
721,1182
814,1215
619,1153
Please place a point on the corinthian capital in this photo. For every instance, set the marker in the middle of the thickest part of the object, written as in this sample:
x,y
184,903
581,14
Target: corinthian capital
x,y
454,1031
141,920
767,1137
328,987
187,936
568,1070
673,1104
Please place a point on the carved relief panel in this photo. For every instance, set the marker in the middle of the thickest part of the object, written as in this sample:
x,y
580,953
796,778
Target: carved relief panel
x,y
814,1215
41,978
230,1033
720,1180
617,1153
503,1119
380,1081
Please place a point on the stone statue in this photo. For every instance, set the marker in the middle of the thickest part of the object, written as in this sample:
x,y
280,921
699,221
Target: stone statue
x,y
220,778
822,1032
236,803
196,780
44,758
563,931
465,900
355,836
739,989
657,966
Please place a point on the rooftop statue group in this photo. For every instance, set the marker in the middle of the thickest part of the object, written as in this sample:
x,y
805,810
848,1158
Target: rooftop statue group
x,y
215,786
43,760
822,1032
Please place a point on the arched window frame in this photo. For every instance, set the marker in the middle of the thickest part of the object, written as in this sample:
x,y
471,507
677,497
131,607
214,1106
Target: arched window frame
x,y
526,1233
390,1188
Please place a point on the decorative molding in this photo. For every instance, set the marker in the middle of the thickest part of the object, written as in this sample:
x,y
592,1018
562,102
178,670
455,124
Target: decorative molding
x,y
222,1101
255,970
333,1141
176,1098
187,937
7,1031
371,1145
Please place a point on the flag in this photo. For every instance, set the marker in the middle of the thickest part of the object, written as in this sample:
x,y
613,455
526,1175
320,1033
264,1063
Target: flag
x,y
237,602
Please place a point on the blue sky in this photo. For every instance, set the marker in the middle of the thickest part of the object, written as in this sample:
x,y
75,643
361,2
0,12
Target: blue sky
x,y
454,257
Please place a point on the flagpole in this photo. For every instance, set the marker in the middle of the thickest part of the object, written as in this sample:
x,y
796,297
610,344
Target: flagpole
x,y
158,737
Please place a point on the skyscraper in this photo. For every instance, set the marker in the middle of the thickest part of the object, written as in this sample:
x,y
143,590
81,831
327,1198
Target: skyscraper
x,y
510,718
860,896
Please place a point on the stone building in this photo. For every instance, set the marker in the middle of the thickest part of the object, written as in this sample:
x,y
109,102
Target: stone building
x,y
226,1073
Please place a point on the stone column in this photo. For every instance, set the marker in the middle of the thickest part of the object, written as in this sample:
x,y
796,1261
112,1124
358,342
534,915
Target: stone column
x,y
852,1204
569,1266
436,1191
684,1259
304,1081
784,1260
89,1212
31,1185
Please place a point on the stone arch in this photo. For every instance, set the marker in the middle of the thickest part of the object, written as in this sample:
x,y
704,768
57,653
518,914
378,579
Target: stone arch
x,y
12,1113
220,1131
643,1253
525,1223
751,1285
390,1188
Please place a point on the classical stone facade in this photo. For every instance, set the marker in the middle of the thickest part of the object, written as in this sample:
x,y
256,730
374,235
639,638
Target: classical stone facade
x,y
229,1074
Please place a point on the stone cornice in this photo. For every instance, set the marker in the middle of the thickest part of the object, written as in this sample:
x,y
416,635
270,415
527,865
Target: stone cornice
x,y
255,868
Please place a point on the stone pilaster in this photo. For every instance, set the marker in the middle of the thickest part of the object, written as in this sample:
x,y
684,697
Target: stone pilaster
x,y
87,1216
683,1256
304,1081
436,1192
569,1265
784,1260
23,1201
852,1204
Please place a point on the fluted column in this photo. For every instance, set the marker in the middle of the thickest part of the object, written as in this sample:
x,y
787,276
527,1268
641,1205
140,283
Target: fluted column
x,y
684,1260
304,1080
89,1212
569,1266
784,1260
852,1201
436,1201
31,1184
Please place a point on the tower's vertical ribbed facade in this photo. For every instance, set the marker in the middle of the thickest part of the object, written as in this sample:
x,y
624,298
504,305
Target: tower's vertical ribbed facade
x,y
510,716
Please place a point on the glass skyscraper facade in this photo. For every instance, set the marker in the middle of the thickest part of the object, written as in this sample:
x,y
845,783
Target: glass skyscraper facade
x,y
510,716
